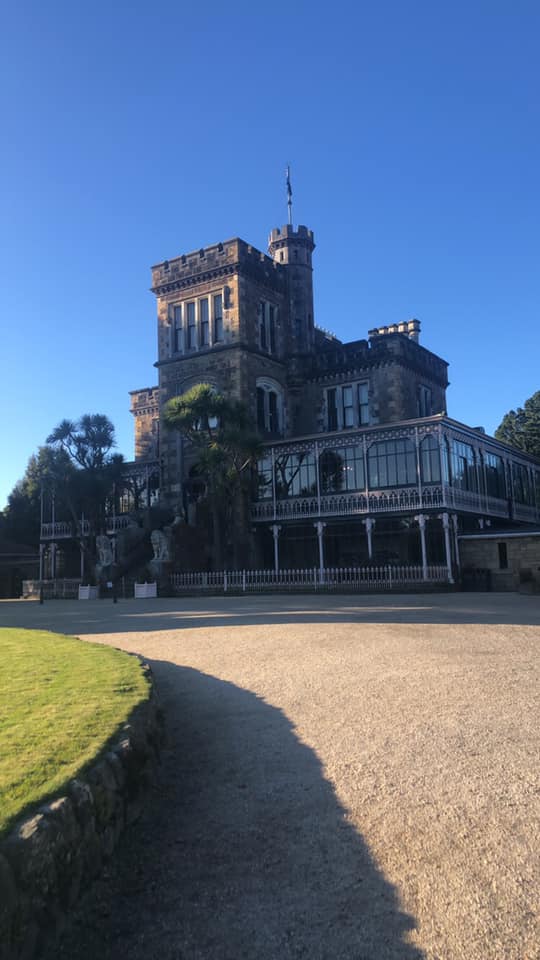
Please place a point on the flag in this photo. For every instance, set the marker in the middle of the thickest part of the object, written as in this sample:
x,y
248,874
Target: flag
x,y
289,188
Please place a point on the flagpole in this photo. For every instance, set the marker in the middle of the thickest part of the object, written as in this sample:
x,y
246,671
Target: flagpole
x,y
289,193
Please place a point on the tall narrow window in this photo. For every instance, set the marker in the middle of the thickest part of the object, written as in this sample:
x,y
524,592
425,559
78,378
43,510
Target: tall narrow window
x,y
503,556
425,405
262,326
218,318
191,326
348,409
430,460
273,422
178,329
261,413
203,319
331,402
272,327
363,403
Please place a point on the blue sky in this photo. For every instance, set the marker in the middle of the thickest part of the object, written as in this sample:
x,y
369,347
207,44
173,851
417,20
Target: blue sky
x,y
133,133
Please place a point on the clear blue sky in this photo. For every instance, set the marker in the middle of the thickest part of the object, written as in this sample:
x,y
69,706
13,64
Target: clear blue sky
x,y
133,132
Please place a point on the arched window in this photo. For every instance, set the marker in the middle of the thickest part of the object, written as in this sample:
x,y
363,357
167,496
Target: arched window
x,y
269,406
391,463
429,460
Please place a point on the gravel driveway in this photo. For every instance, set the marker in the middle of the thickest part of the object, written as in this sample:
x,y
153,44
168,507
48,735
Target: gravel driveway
x,y
345,777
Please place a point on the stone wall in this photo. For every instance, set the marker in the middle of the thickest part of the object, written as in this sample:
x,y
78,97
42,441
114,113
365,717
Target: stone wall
x,y
523,557
50,857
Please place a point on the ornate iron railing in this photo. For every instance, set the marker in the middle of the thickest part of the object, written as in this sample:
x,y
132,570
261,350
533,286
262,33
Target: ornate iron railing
x,y
399,500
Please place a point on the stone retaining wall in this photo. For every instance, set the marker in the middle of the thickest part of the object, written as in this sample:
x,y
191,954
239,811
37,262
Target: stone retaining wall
x,y
50,857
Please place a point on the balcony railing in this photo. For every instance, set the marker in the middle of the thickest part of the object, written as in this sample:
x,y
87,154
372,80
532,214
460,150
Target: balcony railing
x,y
61,530
65,530
523,511
381,501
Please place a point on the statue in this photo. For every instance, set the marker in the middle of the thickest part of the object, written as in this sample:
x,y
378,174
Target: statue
x,y
105,554
160,545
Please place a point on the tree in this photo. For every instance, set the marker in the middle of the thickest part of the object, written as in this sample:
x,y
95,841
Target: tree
x,y
20,521
521,428
89,485
226,448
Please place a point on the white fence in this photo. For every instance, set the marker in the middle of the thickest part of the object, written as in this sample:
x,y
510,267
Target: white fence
x,y
52,589
145,591
385,577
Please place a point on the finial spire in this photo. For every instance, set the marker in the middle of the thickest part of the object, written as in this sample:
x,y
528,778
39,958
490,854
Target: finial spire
x,y
289,192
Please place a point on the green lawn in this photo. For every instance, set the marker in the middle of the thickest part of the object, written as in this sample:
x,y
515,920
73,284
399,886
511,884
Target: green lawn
x,y
61,700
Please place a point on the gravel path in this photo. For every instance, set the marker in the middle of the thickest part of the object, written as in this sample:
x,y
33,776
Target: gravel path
x,y
344,778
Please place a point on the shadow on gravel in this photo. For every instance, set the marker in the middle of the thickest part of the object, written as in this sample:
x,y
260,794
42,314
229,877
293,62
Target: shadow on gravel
x,y
244,850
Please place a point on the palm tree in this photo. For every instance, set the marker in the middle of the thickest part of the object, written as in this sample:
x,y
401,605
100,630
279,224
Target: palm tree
x,y
226,449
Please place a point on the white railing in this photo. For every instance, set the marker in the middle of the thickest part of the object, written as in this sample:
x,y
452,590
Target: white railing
x,y
114,524
379,501
65,589
384,577
56,531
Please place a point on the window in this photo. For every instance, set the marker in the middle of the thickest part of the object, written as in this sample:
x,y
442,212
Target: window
x,y
267,322
363,403
341,469
191,326
463,466
296,475
197,324
523,491
503,556
218,318
269,407
348,409
495,478
392,463
177,330
429,460
273,419
331,407
347,406
204,329
264,478
425,405
272,327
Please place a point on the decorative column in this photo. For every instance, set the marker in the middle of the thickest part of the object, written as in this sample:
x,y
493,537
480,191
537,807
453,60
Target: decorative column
x,y
82,564
446,527
369,523
455,528
275,528
41,557
53,561
421,520
319,526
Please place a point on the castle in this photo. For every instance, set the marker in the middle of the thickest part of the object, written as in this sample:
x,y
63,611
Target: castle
x,y
361,463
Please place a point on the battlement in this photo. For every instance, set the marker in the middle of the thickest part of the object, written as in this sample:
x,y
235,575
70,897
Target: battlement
x,y
218,259
411,329
144,401
301,235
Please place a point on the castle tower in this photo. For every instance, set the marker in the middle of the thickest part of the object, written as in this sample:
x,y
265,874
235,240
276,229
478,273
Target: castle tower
x,y
292,249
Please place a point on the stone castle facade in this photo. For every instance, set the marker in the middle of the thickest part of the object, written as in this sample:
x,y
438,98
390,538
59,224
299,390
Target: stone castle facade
x,y
243,321
361,459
